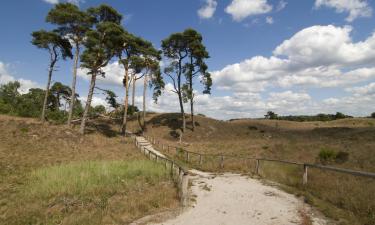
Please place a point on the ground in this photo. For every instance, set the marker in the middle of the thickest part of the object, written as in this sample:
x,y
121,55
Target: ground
x,y
39,182
345,198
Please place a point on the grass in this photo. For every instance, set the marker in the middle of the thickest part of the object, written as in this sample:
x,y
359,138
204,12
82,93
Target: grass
x,y
50,174
90,177
347,199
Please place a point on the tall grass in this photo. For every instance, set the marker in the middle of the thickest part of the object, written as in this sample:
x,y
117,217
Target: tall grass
x,y
92,193
93,176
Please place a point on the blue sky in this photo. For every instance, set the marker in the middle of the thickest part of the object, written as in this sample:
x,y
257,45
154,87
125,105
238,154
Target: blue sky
x,y
289,56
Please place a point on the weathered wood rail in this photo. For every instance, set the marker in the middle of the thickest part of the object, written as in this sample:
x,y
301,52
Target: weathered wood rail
x,y
258,161
177,171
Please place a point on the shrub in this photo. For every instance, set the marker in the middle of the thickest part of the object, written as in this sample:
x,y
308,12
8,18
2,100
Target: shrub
x,y
326,155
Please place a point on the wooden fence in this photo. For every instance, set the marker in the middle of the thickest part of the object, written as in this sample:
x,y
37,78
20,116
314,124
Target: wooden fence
x,y
222,158
178,172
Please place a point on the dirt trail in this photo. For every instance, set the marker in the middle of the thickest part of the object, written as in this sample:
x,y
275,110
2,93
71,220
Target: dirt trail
x,y
229,199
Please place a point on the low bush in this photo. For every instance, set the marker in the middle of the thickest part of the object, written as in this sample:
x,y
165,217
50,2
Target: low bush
x,y
326,155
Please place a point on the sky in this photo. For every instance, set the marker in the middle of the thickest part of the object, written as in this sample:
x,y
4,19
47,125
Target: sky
x,y
292,57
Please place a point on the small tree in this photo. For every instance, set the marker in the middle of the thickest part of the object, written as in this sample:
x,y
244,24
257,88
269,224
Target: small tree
x,y
175,49
147,66
271,115
373,115
130,49
57,47
73,23
194,67
99,48
61,92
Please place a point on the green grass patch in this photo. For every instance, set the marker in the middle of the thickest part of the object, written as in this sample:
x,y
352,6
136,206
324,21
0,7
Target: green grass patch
x,y
92,176
92,193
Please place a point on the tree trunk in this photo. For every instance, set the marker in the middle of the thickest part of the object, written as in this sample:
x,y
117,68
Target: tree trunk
x,y
180,96
182,112
192,103
73,96
144,103
133,91
88,104
43,117
126,83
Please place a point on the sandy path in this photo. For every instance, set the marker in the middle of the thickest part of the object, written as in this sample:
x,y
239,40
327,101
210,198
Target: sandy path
x,y
232,199
235,199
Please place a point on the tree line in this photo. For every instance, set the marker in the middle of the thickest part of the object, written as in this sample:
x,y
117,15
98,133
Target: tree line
x,y
93,38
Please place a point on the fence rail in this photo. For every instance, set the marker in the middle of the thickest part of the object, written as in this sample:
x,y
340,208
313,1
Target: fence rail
x,y
222,158
178,171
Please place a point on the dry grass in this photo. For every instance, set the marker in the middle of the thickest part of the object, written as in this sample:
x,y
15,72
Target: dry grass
x,y
342,197
31,154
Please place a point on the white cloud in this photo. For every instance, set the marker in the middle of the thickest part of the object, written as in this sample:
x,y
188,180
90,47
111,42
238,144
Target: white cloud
x,y
241,9
52,1
318,56
282,4
269,20
76,2
208,10
6,77
96,101
355,8
367,90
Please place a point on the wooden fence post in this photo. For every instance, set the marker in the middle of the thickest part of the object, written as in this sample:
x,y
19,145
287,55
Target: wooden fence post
x,y
222,162
184,189
257,167
172,168
304,179
200,159
187,156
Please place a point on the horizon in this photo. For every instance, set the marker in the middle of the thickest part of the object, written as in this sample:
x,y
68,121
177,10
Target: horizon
x,y
262,58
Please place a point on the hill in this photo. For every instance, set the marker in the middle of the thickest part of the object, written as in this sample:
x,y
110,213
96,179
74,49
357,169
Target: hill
x,y
50,174
346,143
286,140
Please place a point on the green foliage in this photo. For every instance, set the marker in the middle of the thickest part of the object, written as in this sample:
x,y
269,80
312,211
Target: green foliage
x,y
57,116
61,92
271,116
318,117
9,93
373,115
53,42
71,21
187,54
328,155
30,104
132,110
97,110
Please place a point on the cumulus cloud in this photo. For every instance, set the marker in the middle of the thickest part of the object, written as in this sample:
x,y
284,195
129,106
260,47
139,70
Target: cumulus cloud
x,y
318,56
6,77
208,10
241,9
114,74
355,8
